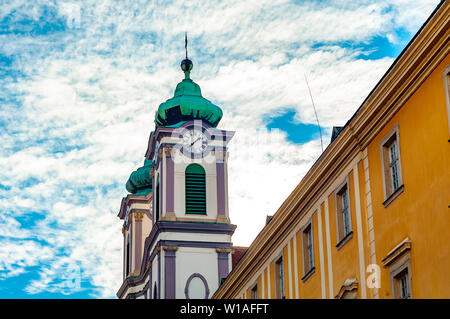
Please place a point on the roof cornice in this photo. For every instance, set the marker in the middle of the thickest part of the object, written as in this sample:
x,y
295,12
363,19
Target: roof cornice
x,y
131,199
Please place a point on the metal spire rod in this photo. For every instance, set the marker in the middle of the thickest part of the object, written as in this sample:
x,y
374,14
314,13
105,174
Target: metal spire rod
x,y
185,43
314,107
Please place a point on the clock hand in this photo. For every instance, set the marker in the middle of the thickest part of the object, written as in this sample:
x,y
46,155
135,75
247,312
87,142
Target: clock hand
x,y
195,141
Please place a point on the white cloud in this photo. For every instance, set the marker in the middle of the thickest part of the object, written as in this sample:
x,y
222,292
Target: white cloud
x,y
15,256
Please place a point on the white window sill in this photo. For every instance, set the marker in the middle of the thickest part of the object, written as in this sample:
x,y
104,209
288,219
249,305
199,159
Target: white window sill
x,y
344,240
393,196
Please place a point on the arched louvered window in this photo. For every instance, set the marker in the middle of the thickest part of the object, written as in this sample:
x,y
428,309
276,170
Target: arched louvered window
x,y
195,189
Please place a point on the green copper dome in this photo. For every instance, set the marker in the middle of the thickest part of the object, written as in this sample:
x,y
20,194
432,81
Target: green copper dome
x,y
140,181
187,103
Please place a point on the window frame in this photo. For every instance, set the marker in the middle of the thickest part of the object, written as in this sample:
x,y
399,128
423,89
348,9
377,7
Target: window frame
x,y
254,291
343,235
309,266
394,165
396,261
446,79
279,278
402,278
396,270
389,193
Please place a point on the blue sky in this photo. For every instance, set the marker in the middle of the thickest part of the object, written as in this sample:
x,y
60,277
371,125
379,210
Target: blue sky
x,y
296,131
81,80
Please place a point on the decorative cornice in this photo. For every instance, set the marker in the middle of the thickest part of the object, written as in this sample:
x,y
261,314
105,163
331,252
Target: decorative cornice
x,y
168,151
170,247
224,250
137,216
184,227
133,199
349,285
395,253
410,69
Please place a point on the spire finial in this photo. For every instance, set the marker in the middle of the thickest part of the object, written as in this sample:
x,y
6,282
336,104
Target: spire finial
x,y
186,64
185,43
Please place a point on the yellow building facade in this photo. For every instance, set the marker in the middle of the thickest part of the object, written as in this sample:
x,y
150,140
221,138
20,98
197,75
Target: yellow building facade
x,y
371,218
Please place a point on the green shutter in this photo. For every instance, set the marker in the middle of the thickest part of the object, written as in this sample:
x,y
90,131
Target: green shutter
x,y
195,189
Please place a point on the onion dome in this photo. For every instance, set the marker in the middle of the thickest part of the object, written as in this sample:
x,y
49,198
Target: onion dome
x,y
187,103
140,181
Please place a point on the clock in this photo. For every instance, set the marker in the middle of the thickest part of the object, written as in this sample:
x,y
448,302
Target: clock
x,y
195,142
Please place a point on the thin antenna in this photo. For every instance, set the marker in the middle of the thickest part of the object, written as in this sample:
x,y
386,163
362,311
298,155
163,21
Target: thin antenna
x,y
314,107
185,43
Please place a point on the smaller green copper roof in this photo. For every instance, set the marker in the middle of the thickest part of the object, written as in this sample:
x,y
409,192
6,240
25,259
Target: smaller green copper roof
x,y
187,103
140,181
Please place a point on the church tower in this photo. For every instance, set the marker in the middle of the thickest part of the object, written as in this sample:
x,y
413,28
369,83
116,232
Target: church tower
x,y
177,231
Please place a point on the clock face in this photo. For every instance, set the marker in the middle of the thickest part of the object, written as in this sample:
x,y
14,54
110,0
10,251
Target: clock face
x,y
195,142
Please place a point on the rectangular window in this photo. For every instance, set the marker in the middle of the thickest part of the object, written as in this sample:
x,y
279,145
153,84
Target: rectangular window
x,y
308,250
401,285
393,166
397,261
446,77
390,160
279,278
343,221
254,292
345,213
